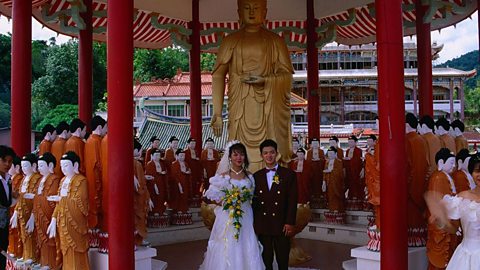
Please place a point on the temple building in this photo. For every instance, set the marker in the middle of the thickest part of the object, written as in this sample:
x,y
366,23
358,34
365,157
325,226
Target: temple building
x,y
348,90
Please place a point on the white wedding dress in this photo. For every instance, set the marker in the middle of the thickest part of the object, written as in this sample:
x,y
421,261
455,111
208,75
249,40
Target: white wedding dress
x,y
467,254
224,251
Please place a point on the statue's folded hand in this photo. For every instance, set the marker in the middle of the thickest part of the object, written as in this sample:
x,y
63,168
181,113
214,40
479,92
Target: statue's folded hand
x,y
217,125
52,228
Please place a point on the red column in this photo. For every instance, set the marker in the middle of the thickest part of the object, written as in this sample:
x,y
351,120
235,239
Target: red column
x,y
85,64
424,60
120,138
415,96
195,78
21,76
478,26
391,108
312,73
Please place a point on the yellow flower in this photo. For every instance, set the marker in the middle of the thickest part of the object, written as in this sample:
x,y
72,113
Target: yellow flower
x,y
238,212
231,207
237,226
276,179
239,206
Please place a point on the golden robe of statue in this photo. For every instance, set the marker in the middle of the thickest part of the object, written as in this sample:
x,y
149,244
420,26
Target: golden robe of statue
x,y
433,146
24,209
72,225
43,211
335,185
259,84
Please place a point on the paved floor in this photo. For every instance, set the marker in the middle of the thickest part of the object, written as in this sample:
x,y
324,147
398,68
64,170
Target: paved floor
x,y
189,255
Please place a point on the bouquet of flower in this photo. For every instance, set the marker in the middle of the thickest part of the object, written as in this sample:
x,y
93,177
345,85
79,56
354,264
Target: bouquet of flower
x,y
232,201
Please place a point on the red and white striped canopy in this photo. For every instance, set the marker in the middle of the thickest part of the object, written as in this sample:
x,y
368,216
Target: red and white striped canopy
x,y
158,24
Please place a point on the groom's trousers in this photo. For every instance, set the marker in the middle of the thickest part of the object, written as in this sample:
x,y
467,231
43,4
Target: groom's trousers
x,y
280,244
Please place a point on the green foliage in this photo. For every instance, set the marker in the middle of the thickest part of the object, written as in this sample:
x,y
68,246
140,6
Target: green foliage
x,y
4,114
5,60
161,64
207,61
63,112
466,62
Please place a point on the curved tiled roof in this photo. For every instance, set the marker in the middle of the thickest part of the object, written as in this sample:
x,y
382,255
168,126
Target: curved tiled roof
x,y
164,130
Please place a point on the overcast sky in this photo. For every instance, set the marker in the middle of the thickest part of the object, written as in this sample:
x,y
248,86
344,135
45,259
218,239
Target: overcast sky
x,y
457,41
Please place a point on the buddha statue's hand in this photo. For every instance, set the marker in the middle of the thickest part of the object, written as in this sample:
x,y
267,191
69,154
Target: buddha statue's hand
x,y
149,177
136,184
324,186
30,224
14,220
217,125
253,79
52,228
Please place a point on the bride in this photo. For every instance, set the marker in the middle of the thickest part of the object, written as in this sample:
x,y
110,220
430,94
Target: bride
x,y
233,243
466,207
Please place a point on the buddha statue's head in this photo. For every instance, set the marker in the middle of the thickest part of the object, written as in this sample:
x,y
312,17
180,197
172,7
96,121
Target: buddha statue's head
x,y
252,12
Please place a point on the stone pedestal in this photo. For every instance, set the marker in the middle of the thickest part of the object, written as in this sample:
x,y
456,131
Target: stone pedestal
x,y
143,259
370,260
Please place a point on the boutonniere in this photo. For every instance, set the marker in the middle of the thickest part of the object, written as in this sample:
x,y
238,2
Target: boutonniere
x,y
276,179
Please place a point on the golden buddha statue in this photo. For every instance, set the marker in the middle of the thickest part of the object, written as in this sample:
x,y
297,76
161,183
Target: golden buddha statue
x,y
259,84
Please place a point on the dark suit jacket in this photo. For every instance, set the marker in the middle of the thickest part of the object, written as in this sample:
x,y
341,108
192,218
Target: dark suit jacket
x,y
5,205
274,208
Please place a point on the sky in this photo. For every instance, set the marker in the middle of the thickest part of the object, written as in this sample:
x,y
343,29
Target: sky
x,y
457,40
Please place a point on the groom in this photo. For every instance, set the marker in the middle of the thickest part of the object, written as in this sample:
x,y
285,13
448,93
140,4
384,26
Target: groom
x,y
274,207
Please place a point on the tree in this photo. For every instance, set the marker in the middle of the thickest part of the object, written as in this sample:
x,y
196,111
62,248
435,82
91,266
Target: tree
x,y
207,61
5,61
63,112
4,114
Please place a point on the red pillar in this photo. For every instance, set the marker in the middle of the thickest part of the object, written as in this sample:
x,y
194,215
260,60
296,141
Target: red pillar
x,y
120,138
424,60
312,74
391,108
21,77
195,78
85,64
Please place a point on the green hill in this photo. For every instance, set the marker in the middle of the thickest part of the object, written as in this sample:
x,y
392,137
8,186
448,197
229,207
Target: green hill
x,y
465,62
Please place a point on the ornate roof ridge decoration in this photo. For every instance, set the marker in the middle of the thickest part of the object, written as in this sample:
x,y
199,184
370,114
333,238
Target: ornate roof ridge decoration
x,y
63,16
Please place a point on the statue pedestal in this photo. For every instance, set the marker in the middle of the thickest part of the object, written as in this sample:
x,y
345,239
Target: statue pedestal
x,y
370,260
143,259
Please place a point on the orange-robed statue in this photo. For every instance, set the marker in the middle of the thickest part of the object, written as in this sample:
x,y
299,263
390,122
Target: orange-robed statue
x,y
442,127
462,178
69,218
417,168
192,158
156,176
259,83
303,169
58,146
43,210
354,170
141,198
49,134
372,176
333,176
104,156
23,217
14,244
460,140
181,179
316,159
209,159
93,170
441,244
76,142
433,142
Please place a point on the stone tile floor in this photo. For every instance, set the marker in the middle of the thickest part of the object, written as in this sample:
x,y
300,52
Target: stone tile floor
x,y
189,255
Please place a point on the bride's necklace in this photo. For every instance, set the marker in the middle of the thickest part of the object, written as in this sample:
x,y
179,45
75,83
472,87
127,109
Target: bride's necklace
x,y
237,173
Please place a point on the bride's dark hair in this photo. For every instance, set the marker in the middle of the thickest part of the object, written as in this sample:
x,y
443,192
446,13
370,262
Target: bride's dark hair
x,y
239,148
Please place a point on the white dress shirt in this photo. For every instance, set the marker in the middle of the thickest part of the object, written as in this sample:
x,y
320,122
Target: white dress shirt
x,y
270,176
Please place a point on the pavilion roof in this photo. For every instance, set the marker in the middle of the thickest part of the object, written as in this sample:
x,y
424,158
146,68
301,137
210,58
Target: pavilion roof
x,y
158,24
338,74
